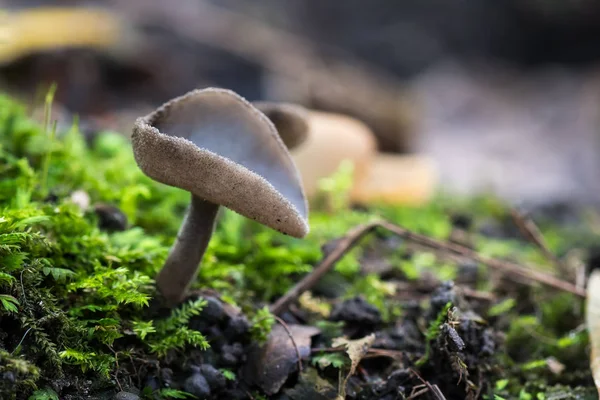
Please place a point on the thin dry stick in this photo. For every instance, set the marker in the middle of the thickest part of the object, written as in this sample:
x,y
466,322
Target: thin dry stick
x,y
437,392
289,332
375,353
434,389
531,232
530,273
344,244
371,353
350,240
477,294
422,389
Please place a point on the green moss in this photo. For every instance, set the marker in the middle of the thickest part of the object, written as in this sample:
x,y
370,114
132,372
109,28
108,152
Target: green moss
x,y
433,331
69,292
76,300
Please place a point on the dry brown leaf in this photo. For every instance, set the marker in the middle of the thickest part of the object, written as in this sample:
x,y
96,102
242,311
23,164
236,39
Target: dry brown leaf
x,y
592,318
356,350
270,365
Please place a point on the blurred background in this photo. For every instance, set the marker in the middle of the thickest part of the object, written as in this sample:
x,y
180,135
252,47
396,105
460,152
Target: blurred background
x,y
482,96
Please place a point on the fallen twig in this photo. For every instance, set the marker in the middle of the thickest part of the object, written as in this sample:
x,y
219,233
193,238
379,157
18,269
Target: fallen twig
x,y
373,352
437,393
434,389
477,294
418,391
354,235
531,232
343,245
531,273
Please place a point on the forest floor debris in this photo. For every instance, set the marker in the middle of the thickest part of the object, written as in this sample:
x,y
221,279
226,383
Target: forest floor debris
x,y
411,312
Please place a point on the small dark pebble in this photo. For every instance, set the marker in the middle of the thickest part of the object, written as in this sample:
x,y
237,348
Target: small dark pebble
x,y
488,347
281,396
461,221
231,354
213,312
234,394
214,377
8,376
126,396
238,326
412,310
151,382
407,336
215,336
166,376
237,349
353,387
51,198
393,387
228,360
209,356
197,385
110,218
443,295
356,311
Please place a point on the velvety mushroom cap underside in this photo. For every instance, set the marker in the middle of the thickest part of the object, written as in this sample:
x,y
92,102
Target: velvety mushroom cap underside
x,y
217,146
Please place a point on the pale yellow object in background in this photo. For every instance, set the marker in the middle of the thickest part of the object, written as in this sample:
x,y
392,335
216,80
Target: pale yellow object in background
x,y
37,29
378,178
397,179
333,138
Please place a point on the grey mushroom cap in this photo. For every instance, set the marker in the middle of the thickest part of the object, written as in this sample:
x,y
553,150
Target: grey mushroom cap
x,y
291,121
216,145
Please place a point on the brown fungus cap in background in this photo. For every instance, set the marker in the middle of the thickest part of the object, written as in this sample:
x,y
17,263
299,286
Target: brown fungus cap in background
x,y
225,152
291,121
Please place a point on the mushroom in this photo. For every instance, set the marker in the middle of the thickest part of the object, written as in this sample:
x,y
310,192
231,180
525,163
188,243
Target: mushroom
x,y
330,140
225,152
291,121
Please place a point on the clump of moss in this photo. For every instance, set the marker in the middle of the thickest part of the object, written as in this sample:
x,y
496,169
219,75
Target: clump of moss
x,y
71,294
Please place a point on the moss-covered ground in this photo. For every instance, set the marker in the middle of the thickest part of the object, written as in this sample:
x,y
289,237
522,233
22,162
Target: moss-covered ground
x,y
79,316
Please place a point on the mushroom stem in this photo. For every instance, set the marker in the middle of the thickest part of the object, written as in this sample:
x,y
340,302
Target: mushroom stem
x,y
182,264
